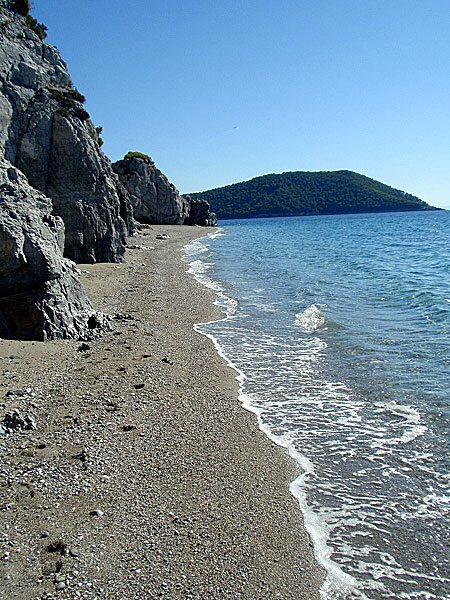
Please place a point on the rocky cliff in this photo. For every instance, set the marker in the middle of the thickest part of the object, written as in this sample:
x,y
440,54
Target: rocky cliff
x,y
199,213
40,296
46,132
60,198
155,199
58,193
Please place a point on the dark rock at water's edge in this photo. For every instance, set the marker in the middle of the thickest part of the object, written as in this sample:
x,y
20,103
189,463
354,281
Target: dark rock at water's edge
x,y
302,193
40,296
154,199
199,213
46,132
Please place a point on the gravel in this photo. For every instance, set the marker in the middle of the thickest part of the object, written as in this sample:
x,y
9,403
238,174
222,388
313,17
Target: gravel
x,y
144,477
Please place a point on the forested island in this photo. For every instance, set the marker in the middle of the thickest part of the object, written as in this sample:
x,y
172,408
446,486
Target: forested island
x,y
308,193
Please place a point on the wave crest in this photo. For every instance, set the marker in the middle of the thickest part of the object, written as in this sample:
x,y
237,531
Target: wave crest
x,y
310,319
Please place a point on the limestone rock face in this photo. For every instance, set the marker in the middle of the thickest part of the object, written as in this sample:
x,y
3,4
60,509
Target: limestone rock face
x,y
153,198
40,297
156,200
47,134
199,213
86,194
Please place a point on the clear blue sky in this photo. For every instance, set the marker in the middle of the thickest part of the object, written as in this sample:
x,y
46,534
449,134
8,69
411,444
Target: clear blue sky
x,y
222,91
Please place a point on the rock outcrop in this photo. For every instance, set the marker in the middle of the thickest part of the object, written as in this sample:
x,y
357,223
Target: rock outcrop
x,y
40,296
46,132
199,213
155,199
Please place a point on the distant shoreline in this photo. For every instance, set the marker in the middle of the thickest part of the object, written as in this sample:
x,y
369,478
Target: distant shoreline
x,y
330,214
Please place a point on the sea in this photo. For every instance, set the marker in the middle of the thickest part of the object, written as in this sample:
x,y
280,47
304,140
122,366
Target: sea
x,y
338,328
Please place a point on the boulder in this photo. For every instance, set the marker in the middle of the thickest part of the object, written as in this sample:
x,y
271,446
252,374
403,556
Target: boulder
x,y
46,132
154,199
40,296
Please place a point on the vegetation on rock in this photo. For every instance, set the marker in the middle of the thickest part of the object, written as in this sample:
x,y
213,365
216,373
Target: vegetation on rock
x,y
99,130
69,100
20,6
39,28
144,157
307,193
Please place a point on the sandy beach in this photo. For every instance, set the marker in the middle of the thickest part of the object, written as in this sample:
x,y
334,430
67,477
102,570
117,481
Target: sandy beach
x,y
144,477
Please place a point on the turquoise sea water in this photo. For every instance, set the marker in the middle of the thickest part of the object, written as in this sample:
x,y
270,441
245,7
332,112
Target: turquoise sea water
x,y
339,327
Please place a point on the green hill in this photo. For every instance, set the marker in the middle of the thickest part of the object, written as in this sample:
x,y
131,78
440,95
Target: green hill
x,y
307,193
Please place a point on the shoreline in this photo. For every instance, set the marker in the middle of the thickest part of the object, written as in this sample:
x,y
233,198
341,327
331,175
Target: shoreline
x,y
144,430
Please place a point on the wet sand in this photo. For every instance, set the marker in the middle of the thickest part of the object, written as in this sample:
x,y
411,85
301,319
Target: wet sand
x,y
144,478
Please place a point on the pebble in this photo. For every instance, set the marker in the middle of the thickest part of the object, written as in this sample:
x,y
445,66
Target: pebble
x,y
136,479
123,317
18,393
15,420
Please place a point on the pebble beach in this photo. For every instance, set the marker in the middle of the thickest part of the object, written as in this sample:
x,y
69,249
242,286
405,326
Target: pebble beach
x,y
138,474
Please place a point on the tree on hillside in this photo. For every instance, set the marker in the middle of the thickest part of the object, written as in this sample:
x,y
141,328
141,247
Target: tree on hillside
x,y
21,6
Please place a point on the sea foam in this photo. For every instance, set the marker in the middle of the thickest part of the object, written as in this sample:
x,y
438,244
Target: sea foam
x,y
355,386
337,584
310,319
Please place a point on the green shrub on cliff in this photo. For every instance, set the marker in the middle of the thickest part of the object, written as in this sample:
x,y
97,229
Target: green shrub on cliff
x,y
67,97
144,157
69,100
99,130
21,6
75,95
81,114
38,28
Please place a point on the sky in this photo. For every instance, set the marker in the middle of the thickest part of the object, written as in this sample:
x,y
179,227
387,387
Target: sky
x,y
218,92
